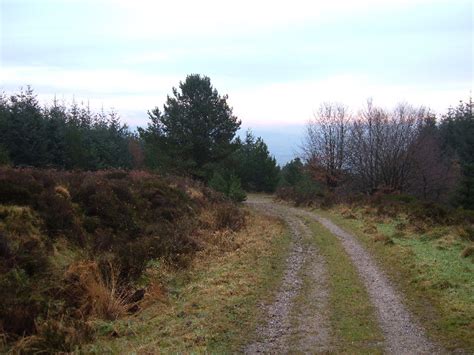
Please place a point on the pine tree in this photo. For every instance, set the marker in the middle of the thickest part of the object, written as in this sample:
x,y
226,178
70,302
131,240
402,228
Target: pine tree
x,y
196,129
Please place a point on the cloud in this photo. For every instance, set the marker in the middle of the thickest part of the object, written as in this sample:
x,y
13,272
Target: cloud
x,y
295,102
95,81
277,60
151,19
278,103
156,19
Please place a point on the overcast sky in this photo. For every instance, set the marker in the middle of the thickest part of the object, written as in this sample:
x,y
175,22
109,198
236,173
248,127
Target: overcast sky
x,y
277,61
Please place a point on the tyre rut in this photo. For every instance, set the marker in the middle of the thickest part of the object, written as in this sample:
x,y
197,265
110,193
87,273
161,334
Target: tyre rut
x,y
402,334
302,328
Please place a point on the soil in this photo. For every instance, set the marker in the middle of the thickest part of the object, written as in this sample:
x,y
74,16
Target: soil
x,y
293,326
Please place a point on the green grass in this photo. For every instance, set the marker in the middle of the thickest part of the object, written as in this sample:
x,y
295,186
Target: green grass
x,y
213,307
437,282
352,314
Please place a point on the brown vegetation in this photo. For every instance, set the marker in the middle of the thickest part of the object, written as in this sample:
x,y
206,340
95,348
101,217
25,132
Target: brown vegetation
x,y
74,245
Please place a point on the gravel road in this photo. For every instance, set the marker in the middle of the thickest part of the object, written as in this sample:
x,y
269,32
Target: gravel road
x,y
312,329
291,327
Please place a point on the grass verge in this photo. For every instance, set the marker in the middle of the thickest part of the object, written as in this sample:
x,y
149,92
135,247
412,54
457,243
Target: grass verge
x,y
212,307
437,282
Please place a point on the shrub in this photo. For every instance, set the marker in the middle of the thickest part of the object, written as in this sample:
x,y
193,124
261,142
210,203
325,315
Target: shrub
x,y
231,187
58,214
60,335
218,183
22,244
467,233
404,198
228,216
21,303
305,191
235,192
17,187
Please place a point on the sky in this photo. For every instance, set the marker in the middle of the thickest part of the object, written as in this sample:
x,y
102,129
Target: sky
x,y
277,60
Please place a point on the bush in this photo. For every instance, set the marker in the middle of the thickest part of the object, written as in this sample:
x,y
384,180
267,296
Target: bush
x,y
235,192
21,303
305,192
218,183
18,187
228,216
231,187
4,157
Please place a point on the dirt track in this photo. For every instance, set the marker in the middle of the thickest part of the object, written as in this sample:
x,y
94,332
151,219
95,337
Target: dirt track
x,y
289,329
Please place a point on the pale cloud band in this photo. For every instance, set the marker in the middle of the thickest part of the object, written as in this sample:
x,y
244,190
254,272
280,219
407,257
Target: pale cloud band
x,y
276,60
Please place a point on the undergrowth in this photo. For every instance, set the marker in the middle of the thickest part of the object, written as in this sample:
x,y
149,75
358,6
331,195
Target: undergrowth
x,y
212,306
74,247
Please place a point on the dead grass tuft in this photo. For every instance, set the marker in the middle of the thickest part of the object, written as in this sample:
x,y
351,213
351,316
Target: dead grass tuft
x,y
63,192
384,239
347,212
468,251
97,295
466,233
194,193
370,229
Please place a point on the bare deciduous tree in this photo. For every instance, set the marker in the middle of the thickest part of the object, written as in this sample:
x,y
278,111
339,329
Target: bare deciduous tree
x,y
395,150
365,146
325,143
383,144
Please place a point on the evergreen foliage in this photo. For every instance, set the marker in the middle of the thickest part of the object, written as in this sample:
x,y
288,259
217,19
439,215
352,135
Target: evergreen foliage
x,y
59,136
256,168
229,186
298,185
457,132
292,173
194,132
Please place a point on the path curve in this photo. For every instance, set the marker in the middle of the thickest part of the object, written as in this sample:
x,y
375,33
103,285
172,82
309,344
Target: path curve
x,y
403,335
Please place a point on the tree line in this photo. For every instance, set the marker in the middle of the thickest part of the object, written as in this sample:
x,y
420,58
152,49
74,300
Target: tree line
x,y
407,150
57,136
195,134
